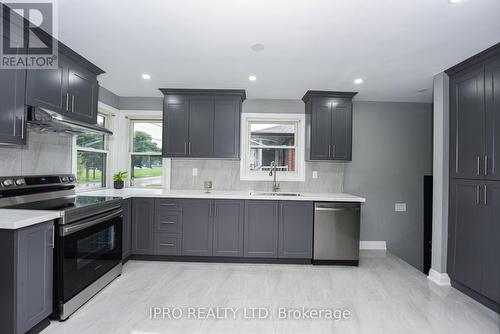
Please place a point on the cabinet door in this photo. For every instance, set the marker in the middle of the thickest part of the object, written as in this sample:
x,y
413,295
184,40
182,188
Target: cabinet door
x,y
321,130
490,284
201,125
295,229
83,90
12,107
227,127
468,217
48,88
467,124
126,240
197,228
142,226
228,228
342,132
175,126
261,229
34,275
492,90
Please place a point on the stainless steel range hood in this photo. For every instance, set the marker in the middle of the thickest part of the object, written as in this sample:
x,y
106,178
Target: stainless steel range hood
x,y
52,121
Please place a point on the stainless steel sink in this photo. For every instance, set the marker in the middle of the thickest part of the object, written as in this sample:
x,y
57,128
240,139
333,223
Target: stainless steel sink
x,y
274,194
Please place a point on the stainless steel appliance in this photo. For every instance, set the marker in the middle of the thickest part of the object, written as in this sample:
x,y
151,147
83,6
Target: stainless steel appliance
x,y
336,233
88,236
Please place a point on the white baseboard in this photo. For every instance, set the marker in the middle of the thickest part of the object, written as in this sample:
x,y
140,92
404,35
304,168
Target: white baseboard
x,y
441,279
373,245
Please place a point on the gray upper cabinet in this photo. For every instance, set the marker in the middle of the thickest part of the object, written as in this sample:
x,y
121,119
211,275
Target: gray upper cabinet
x,y
261,229
202,123
12,107
295,229
175,126
201,126
328,125
83,91
228,227
142,226
197,227
226,123
467,124
492,96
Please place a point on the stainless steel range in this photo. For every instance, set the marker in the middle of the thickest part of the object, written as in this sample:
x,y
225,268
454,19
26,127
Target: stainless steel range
x,y
88,236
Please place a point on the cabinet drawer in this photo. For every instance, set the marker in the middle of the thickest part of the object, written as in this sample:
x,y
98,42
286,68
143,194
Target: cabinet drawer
x,y
168,204
167,244
168,221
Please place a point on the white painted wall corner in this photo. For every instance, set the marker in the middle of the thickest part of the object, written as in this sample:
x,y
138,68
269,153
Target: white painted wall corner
x,y
438,278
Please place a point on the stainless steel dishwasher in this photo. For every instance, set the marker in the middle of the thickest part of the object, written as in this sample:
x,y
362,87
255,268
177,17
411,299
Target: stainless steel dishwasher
x,y
336,233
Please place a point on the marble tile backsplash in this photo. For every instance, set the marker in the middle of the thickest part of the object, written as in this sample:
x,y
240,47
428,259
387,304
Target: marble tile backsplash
x,y
45,153
225,175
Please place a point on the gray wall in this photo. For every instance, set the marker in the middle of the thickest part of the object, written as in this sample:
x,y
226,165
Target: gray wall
x,y
46,153
392,151
129,102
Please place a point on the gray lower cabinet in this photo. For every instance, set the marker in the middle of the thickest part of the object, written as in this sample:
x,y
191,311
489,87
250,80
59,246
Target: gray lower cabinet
x,y
26,257
197,227
142,226
261,229
228,222
127,226
295,229
474,236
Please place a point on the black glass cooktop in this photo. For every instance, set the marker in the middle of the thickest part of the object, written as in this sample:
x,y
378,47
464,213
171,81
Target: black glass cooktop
x,y
68,203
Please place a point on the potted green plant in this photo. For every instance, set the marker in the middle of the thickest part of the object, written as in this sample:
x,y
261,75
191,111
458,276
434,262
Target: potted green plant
x,y
118,179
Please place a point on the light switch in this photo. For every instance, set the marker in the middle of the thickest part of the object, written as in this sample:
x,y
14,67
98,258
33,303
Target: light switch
x,y
315,174
400,207
195,171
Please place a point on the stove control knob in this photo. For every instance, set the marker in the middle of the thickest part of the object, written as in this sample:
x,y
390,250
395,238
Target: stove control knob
x,y
64,179
71,179
7,182
20,182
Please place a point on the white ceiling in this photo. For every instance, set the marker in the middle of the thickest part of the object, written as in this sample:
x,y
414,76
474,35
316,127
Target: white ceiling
x,y
396,46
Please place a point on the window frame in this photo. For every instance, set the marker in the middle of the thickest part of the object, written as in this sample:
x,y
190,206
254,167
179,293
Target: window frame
x,y
131,153
106,151
245,173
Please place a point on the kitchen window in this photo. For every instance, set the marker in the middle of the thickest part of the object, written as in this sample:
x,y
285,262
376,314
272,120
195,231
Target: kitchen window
x,y
269,139
146,164
92,157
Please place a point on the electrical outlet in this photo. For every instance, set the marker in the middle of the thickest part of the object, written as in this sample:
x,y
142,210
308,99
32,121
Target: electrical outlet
x,y
195,171
400,207
315,174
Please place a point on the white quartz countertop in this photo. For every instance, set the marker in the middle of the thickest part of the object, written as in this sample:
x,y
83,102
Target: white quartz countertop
x,y
12,219
140,192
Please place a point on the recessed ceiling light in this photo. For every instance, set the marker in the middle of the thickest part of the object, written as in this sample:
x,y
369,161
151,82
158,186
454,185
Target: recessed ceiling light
x,y
146,76
454,1
358,81
257,47
252,78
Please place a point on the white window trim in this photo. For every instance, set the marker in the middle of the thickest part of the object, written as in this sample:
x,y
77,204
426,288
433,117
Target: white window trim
x,y
107,144
246,174
165,178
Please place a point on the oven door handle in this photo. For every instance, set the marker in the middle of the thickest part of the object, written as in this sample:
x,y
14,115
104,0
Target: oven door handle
x,y
78,227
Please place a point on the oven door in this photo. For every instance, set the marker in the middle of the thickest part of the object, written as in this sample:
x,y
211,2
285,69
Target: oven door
x,y
88,249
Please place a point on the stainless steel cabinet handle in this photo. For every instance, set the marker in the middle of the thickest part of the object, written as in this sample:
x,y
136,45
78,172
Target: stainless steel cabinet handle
x,y
329,150
72,103
165,222
185,148
215,209
478,165
168,204
210,210
67,101
189,148
22,127
477,194
485,165
167,245
52,240
485,195
334,153
335,209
